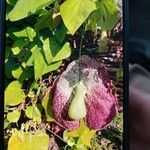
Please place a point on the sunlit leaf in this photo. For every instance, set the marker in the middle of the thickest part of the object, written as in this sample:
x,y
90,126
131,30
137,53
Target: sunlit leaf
x,y
54,51
17,72
18,45
86,137
34,113
27,32
14,94
6,123
42,67
80,145
71,142
75,12
84,133
24,8
13,116
28,141
106,15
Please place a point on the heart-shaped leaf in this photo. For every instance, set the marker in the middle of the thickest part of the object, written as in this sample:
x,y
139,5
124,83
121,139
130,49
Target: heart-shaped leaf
x,y
75,12
13,116
34,113
14,94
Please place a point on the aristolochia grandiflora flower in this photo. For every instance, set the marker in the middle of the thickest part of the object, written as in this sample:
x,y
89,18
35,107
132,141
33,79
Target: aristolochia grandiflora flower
x,y
84,90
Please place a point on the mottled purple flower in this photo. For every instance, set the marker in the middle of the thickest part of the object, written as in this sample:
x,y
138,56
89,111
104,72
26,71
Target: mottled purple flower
x,y
101,103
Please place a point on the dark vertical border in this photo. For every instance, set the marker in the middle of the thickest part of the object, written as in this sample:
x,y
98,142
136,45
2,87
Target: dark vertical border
x,y
2,51
126,76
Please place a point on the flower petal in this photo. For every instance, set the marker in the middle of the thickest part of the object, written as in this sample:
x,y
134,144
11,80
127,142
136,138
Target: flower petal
x,y
100,101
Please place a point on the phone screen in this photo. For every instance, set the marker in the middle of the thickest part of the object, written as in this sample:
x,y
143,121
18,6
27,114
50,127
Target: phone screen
x,y
63,75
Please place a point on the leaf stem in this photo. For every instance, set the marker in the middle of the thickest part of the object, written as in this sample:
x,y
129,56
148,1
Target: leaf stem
x,y
56,135
80,53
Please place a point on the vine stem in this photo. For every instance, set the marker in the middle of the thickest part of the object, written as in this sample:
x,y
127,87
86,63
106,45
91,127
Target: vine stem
x,y
80,53
56,135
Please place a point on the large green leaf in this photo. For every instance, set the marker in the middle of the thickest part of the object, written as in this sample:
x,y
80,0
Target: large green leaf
x,y
14,94
75,12
106,15
54,51
40,65
24,8
28,141
13,116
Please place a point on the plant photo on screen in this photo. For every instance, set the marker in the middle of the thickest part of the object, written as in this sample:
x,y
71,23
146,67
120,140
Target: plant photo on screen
x,y
63,75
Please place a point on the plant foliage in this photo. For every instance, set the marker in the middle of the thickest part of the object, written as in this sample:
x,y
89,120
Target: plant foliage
x,y
36,45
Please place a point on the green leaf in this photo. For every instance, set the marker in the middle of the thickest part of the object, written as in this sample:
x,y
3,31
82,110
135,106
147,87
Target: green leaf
x,y
65,135
87,136
94,0
61,32
42,67
63,53
27,32
17,72
28,141
14,94
106,15
49,44
13,116
11,2
6,123
75,12
30,60
80,145
7,53
46,103
44,21
27,73
71,142
18,45
54,51
84,133
24,8
11,64
34,113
